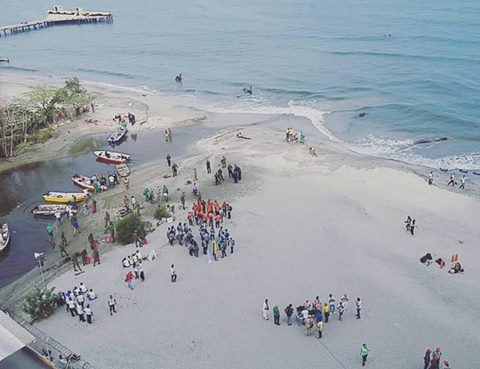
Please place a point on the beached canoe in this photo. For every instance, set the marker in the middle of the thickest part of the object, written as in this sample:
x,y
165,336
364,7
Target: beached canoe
x,y
86,183
123,170
65,197
117,136
4,236
49,210
111,157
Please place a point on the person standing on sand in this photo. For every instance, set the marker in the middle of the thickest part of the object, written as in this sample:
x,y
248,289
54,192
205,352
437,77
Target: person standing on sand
x,y
195,177
289,312
173,273
209,169
345,300
169,160
126,183
81,317
182,200
88,313
331,303
71,307
129,279
75,263
427,358
341,310
265,309
320,328
224,161
359,307
412,227
96,257
326,311
111,305
63,245
430,178
462,182
174,170
364,353
276,315
452,180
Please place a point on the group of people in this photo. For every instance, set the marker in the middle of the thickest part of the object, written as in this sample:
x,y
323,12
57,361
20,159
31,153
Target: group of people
x,y
122,119
432,359
234,171
314,314
292,136
78,302
410,225
455,268
451,180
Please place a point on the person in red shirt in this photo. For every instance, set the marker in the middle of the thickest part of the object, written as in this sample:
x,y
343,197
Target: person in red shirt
x,y
129,279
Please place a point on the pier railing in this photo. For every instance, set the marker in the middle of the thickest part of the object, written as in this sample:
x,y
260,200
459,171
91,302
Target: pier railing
x,y
44,341
43,23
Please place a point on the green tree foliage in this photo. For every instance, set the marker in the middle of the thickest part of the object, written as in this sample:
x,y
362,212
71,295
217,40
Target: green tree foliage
x,y
126,227
40,303
37,110
161,212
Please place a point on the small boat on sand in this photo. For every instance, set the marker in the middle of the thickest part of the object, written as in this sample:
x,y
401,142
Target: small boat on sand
x,y
123,170
49,210
4,60
88,184
111,157
4,236
65,197
117,136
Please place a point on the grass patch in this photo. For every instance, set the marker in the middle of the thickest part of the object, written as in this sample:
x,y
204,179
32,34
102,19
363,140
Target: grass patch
x,y
83,146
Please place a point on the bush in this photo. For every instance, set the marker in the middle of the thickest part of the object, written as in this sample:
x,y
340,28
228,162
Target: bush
x,y
42,135
161,212
40,303
126,227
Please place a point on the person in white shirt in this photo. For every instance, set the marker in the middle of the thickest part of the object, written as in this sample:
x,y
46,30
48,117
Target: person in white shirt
x,y
125,263
71,306
83,288
89,313
58,216
138,254
173,273
81,317
430,178
91,295
359,307
80,300
265,309
111,304
331,302
462,182
345,300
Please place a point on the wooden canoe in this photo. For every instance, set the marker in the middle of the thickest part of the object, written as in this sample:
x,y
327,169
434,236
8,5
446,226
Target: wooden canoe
x,y
65,197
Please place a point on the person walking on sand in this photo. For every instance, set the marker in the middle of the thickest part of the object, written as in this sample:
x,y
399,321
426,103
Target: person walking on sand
x,y
358,304
265,309
173,273
126,183
319,328
308,325
96,257
195,177
364,353
452,180
129,279
209,169
81,316
88,313
111,305
462,182
412,227
427,358
326,311
408,223
436,356
50,232
75,263
341,310
331,303
430,178
276,315
289,313
174,170
169,160
182,200
224,161
63,245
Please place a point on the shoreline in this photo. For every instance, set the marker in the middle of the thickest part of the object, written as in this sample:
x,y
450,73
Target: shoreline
x,y
348,208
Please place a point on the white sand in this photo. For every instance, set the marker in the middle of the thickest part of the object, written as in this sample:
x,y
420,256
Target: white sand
x,y
304,226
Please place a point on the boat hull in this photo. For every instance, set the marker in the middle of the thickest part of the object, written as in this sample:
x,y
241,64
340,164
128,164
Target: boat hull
x,y
64,197
4,237
113,158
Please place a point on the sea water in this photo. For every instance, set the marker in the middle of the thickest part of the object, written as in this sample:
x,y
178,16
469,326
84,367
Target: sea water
x,y
413,67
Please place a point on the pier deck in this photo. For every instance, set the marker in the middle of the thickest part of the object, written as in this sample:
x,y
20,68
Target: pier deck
x,y
53,20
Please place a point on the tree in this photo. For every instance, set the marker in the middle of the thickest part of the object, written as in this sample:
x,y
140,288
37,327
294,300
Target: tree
x,y
126,228
42,97
40,303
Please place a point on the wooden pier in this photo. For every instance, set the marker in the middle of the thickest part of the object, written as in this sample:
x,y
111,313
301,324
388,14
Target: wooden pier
x,y
58,17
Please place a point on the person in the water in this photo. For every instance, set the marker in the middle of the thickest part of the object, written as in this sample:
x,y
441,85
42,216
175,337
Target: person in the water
x,y
248,91
178,78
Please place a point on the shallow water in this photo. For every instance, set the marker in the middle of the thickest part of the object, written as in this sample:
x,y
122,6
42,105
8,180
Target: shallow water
x,y
22,189
411,66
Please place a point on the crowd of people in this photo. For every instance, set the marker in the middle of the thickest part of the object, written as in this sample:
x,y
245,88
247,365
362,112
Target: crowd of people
x,y
433,358
292,136
451,180
214,239
78,302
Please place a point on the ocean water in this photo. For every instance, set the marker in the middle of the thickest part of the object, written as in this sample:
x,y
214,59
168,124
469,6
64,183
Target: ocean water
x,y
411,66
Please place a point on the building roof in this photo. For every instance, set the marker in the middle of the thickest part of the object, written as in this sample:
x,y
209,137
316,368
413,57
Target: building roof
x,y
13,336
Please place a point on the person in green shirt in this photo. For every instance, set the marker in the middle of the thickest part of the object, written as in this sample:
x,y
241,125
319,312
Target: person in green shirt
x,y
50,232
276,315
364,353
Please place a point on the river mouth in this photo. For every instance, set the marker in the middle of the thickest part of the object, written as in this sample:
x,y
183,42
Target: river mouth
x,y
22,188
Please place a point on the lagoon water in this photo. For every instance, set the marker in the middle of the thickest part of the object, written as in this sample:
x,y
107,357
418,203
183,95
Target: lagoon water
x,y
411,66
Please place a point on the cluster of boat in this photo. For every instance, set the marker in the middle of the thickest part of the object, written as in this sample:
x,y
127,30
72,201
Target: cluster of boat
x,y
60,202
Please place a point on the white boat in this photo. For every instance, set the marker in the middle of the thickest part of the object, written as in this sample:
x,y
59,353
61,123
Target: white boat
x,y
117,136
49,210
4,236
123,170
111,157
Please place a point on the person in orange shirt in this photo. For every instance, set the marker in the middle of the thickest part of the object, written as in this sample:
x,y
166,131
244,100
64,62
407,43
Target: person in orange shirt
x,y
204,218
218,218
190,218
210,219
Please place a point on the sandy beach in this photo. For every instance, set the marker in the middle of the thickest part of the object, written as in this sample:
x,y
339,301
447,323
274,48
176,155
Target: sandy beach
x,y
304,226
